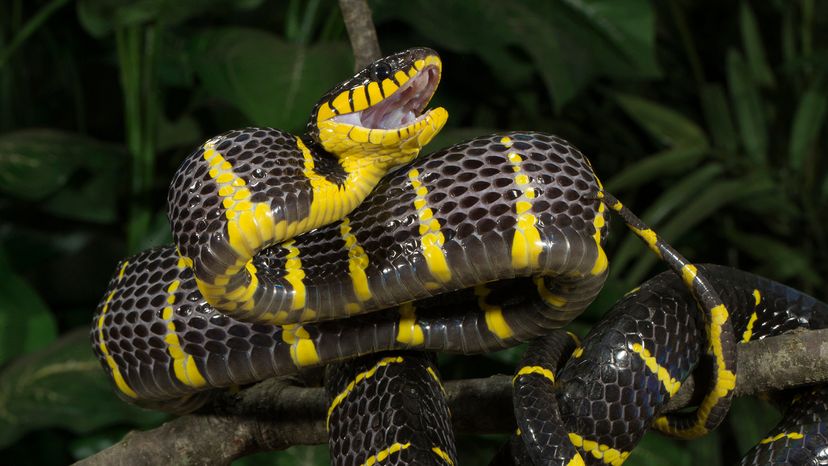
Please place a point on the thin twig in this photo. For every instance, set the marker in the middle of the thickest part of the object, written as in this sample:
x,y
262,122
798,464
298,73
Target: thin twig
x,y
361,31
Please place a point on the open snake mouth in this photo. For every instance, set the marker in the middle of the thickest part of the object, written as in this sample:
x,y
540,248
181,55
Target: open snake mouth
x,y
382,109
402,108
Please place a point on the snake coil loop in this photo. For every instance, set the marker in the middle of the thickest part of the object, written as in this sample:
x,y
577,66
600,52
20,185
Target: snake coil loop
x,y
299,251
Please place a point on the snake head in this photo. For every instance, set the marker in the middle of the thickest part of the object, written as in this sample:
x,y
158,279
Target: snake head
x,y
379,113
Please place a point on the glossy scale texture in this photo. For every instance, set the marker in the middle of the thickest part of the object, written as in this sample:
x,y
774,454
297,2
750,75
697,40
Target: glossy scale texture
x,y
389,407
471,192
610,391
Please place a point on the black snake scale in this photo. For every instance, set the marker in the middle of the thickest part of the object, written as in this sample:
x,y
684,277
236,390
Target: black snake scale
x,y
219,350
607,395
393,412
283,261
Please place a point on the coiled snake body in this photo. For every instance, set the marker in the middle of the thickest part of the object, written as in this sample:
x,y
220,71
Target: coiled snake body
x,y
283,260
620,377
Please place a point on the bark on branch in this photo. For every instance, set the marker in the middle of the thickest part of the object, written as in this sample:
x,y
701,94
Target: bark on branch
x,y
273,415
361,32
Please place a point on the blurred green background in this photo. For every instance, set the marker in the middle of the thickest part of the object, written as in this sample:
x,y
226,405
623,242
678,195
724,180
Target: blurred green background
x,y
706,117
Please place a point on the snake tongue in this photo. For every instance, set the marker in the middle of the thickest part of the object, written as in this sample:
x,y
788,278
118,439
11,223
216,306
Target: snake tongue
x,y
405,105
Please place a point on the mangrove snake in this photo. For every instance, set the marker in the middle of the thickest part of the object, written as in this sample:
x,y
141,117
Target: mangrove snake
x,y
282,259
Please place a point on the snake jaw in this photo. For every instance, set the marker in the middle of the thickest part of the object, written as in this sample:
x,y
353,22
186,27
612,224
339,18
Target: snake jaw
x,y
402,108
394,129
383,118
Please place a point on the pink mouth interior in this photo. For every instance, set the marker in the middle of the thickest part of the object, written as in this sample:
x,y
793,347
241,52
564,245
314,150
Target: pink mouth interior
x,y
401,108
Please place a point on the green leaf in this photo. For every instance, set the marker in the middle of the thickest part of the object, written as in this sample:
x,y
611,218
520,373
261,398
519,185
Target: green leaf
x,y
747,103
752,41
807,123
668,162
485,32
563,77
26,323
37,163
619,38
706,450
172,64
62,386
718,117
790,34
32,247
780,259
762,418
570,44
101,17
31,26
272,82
703,206
629,29
94,199
657,450
181,132
675,199
666,125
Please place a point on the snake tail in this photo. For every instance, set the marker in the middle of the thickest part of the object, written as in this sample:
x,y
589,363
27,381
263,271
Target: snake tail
x,y
719,329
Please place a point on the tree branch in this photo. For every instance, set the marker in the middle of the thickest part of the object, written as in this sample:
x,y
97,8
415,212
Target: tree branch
x,y
361,31
273,415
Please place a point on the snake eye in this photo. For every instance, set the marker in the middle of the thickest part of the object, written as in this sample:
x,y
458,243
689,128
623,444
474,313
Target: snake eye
x,y
381,71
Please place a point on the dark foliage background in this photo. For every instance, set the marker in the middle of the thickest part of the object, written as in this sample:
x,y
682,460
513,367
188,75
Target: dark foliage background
x,y
706,117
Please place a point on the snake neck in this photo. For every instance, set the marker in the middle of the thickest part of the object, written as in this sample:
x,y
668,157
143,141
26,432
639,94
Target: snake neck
x,y
365,171
338,185
342,181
